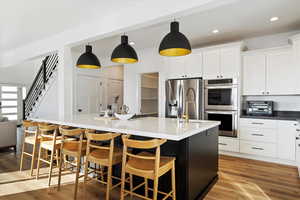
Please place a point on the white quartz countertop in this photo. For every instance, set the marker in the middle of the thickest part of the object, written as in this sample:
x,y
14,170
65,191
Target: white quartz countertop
x,y
154,127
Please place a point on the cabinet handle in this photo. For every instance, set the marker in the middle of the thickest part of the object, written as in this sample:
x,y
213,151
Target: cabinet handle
x,y
257,148
255,134
268,92
217,76
298,130
223,144
257,123
263,92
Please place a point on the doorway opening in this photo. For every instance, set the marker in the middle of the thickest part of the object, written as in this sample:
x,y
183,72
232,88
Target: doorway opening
x,y
149,94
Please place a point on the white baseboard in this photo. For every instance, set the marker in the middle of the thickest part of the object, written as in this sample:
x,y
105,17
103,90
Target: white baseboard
x,y
260,158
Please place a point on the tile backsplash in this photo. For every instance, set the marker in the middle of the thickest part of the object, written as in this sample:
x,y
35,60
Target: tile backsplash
x,y
281,103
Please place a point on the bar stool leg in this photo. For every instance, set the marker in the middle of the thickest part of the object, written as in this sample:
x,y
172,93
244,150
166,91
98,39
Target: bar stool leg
x,y
86,170
57,158
38,163
131,185
51,166
59,170
33,158
173,182
108,186
146,187
155,188
122,183
22,155
77,176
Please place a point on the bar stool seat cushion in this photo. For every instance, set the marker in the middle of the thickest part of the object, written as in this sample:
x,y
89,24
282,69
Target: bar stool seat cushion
x,y
72,147
31,139
101,156
142,167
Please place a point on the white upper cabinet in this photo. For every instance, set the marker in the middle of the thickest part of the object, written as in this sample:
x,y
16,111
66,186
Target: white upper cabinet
x,y
211,64
270,72
184,66
222,62
230,62
286,140
280,73
193,65
174,67
254,74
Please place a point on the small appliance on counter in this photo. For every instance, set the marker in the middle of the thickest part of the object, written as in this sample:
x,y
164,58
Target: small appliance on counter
x,y
259,108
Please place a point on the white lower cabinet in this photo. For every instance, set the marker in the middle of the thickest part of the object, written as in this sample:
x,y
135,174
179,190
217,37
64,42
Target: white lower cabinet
x,y
270,138
258,148
228,144
286,146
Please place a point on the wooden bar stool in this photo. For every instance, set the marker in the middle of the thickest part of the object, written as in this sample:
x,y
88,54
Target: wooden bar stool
x,y
103,155
73,148
50,141
146,165
31,137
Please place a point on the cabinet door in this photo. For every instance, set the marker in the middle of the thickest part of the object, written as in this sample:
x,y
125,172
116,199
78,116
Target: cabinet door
x,y
174,67
281,73
229,62
211,64
193,65
254,74
286,145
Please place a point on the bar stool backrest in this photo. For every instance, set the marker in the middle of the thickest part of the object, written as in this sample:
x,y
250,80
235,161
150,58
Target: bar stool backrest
x,y
71,133
100,137
48,130
142,144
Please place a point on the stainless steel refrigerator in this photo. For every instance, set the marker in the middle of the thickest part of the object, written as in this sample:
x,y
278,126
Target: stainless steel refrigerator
x,y
184,95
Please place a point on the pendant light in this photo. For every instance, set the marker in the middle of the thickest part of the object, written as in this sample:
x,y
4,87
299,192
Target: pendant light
x,y
88,60
124,53
175,43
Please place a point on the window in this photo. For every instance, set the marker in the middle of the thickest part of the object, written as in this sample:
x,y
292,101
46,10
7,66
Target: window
x,y
9,101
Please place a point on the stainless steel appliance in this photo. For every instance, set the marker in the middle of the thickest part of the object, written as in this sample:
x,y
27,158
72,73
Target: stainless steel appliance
x,y
221,94
184,95
228,119
264,108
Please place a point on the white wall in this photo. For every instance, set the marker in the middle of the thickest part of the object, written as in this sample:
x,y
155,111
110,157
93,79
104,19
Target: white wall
x,y
49,103
269,41
22,74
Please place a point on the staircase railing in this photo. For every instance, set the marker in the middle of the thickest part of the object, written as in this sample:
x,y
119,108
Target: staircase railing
x,y
44,74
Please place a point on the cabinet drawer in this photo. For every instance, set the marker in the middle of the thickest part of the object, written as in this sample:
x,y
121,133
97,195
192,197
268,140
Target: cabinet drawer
x,y
258,134
228,144
258,123
258,148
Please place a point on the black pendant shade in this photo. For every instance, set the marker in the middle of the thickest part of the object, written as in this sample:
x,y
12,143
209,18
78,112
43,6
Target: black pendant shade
x,y
175,43
88,60
124,53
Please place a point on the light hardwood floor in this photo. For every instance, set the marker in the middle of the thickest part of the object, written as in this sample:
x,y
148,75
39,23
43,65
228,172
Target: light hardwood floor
x,y
240,179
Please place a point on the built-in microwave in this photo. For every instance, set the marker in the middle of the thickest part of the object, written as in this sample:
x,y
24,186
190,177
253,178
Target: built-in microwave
x,y
221,94
228,119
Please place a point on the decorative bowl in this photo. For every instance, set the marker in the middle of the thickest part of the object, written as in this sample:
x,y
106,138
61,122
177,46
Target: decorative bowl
x,y
124,116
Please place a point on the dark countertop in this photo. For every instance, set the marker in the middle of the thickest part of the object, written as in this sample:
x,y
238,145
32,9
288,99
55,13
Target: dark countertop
x,y
277,115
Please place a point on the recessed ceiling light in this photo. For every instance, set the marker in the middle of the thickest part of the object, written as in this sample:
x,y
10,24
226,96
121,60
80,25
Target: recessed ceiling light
x,y
273,19
215,31
131,43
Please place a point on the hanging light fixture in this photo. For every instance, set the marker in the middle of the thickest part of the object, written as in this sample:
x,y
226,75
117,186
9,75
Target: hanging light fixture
x,y
88,60
124,53
175,43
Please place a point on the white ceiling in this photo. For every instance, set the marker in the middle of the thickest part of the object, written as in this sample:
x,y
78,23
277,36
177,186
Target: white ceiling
x,y
25,21
244,19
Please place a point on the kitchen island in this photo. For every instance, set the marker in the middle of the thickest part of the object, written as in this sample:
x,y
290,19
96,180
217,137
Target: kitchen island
x,y
194,144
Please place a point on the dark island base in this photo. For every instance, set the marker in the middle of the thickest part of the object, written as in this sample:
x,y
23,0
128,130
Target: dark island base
x,y
196,165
